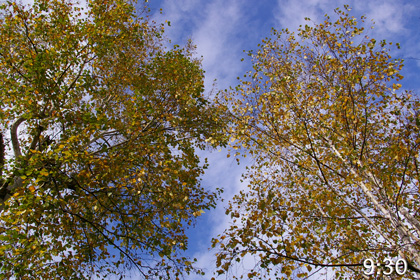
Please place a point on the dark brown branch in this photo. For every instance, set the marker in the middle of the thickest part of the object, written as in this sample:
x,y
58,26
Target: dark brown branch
x,y
412,268
35,140
280,255
4,191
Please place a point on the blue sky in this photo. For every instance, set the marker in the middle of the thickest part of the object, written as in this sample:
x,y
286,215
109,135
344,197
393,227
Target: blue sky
x,y
222,29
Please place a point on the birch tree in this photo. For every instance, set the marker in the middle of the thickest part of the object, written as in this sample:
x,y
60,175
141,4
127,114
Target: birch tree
x,y
335,142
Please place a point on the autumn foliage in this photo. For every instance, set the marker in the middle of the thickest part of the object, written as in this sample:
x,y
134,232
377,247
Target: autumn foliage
x,y
335,178
99,130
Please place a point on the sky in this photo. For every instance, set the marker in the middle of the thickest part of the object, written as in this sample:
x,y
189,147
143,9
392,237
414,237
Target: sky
x,y
223,29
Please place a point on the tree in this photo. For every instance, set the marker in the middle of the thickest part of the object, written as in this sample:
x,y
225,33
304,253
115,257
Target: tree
x,y
335,178
99,174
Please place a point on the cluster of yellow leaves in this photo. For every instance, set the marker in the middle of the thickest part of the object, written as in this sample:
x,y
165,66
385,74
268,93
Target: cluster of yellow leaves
x,y
335,178
108,177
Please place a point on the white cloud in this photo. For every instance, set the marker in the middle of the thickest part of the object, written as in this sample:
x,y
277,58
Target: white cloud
x,y
290,14
212,27
389,16
224,173
213,38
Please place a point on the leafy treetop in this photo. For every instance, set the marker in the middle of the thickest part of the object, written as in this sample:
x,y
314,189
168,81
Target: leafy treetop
x,y
335,179
99,127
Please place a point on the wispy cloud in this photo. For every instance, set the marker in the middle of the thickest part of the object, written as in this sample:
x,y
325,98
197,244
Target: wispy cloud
x,y
291,14
224,173
212,26
390,16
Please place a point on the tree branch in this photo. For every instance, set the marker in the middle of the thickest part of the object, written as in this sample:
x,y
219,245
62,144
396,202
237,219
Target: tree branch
x,y
14,136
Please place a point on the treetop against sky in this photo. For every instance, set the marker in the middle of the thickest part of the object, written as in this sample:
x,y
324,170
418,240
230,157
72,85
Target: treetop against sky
x,y
222,30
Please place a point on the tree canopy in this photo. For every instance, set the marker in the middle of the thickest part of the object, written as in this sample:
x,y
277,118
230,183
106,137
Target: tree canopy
x,y
100,124
335,142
